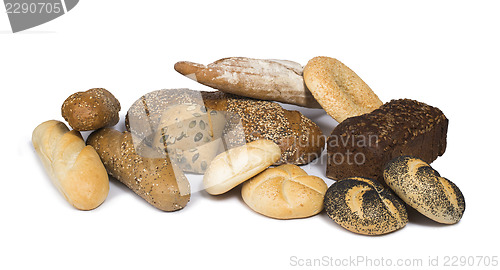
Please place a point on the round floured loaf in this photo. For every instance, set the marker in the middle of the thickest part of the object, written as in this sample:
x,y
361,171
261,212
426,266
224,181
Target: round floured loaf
x,y
285,192
239,164
363,206
422,188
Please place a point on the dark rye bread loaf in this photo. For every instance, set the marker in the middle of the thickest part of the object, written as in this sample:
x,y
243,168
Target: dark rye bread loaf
x,y
362,145
299,138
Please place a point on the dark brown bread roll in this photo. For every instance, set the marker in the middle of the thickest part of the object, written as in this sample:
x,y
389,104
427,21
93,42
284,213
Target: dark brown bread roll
x,y
362,145
422,188
299,138
90,110
363,206
149,174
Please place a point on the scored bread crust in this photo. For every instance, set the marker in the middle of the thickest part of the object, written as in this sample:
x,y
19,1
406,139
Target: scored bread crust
x,y
340,91
422,188
299,138
149,174
75,169
285,192
363,206
266,79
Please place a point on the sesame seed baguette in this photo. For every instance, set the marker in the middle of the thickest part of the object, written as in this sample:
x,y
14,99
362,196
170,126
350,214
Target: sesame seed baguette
x,y
267,79
75,169
299,138
149,174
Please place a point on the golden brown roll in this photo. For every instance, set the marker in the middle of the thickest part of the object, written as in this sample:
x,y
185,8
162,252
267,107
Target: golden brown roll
x,y
363,206
285,192
422,188
90,110
75,169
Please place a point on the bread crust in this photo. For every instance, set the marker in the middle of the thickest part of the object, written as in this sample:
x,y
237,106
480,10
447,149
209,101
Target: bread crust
x,y
265,79
399,127
364,206
340,91
90,110
75,169
285,192
300,139
148,173
422,188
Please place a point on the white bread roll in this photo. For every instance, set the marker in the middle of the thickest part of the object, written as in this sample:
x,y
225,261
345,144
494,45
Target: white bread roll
x,y
238,164
75,169
285,192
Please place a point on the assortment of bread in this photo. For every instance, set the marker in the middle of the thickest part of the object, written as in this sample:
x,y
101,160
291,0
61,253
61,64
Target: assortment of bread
x,y
232,137
299,138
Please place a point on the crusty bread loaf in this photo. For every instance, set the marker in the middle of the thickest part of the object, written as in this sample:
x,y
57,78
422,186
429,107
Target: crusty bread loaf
x,y
266,79
299,138
340,91
90,110
285,192
239,164
148,173
422,188
363,206
75,169
362,145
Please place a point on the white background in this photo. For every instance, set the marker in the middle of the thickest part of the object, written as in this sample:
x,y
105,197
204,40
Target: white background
x,y
443,53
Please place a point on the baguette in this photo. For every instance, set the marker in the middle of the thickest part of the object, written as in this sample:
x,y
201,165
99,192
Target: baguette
x,y
149,174
300,139
75,169
276,80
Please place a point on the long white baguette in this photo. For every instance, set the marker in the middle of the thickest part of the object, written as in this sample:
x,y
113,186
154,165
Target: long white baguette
x,y
75,169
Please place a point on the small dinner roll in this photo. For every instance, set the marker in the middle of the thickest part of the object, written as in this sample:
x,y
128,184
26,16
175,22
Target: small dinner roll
x,y
285,192
422,188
